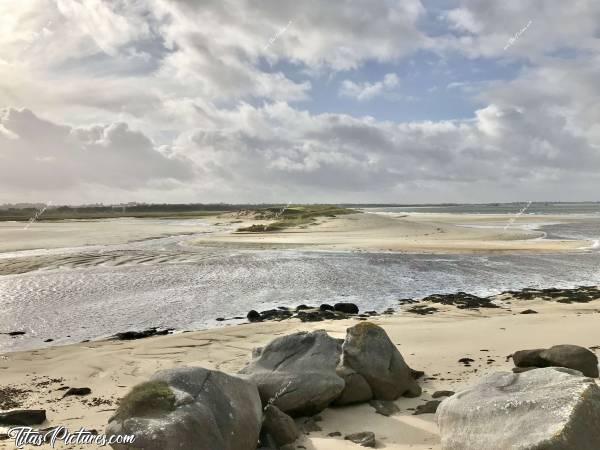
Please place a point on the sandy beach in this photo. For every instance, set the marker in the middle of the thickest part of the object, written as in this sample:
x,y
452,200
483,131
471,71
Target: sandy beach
x,y
411,232
433,344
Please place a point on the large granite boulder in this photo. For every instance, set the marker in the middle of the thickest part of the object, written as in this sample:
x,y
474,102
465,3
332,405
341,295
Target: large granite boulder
x,y
369,352
569,356
190,408
297,372
545,409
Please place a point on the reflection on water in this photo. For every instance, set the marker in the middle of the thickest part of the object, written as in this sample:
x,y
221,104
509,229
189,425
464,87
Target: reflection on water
x,y
99,291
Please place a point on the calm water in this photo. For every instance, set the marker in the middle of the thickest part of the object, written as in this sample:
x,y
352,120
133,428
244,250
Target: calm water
x,y
502,208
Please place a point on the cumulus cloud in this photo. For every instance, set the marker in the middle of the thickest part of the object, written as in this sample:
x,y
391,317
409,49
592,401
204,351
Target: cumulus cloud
x,y
180,101
367,91
39,155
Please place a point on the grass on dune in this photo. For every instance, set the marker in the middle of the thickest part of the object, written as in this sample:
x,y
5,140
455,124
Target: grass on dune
x,y
293,216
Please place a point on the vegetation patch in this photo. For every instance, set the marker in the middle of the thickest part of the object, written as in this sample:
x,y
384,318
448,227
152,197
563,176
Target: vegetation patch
x,y
147,399
293,216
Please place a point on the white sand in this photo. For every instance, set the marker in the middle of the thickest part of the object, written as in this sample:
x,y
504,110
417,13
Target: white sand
x,y
415,232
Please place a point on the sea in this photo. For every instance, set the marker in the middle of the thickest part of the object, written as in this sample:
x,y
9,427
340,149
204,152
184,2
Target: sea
x,y
75,293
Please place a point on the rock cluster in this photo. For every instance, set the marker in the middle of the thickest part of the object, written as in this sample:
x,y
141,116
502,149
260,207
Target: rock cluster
x,y
305,313
296,375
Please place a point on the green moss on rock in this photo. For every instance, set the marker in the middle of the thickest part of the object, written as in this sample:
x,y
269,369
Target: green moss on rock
x,y
147,399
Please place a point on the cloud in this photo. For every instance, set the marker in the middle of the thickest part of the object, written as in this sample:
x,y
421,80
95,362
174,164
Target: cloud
x,y
38,155
367,91
181,101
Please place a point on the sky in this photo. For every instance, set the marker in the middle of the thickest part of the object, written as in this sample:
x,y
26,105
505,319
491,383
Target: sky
x,y
396,101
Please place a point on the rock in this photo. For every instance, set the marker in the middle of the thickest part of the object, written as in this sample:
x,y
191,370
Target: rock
x,y
348,308
24,417
581,294
315,316
466,361
422,310
326,307
276,314
48,340
303,307
280,426
15,333
439,394
297,372
132,335
334,434
522,369
548,408
384,407
369,351
428,408
356,388
529,358
77,391
364,438
569,356
190,408
529,311
253,316
462,300
309,425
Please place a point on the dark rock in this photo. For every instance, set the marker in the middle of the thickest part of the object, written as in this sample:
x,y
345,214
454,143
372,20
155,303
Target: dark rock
x,y
326,307
428,408
297,372
356,388
220,319
384,407
348,308
369,351
334,434
365,438
280,426
24,417
276,314
466,360
48,340
190,408
548,408
254,316
422,310
581,294
439,394
529,311
569,356
303,307
132,335
77,391
315,316
15,333
462,300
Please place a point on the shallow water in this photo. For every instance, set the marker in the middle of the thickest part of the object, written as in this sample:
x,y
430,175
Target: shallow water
x,y
97,291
